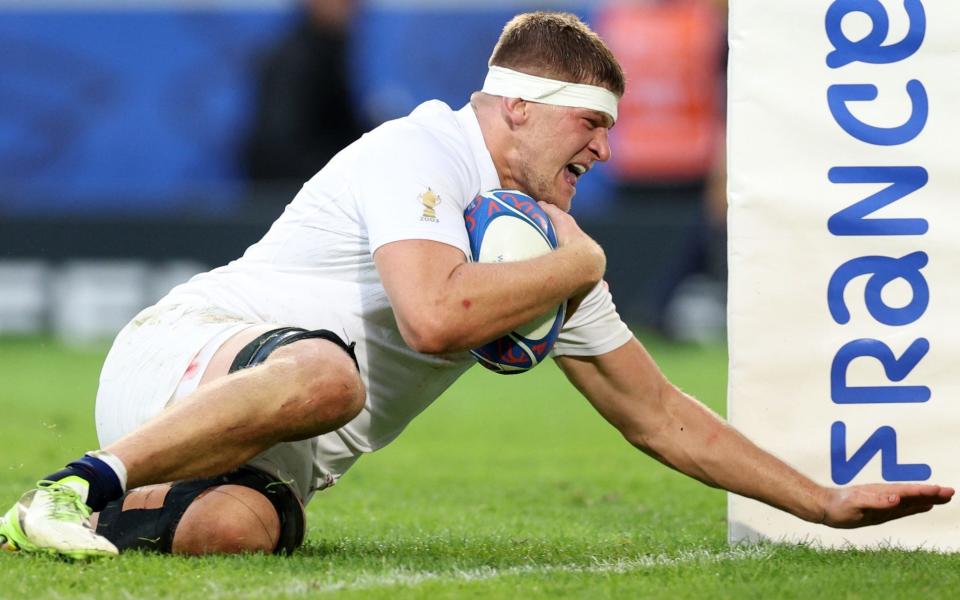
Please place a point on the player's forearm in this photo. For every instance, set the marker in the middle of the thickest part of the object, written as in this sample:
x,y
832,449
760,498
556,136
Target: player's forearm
x,y
482,301
697,442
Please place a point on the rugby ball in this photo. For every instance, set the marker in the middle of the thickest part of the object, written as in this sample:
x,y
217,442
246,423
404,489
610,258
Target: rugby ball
x,y
507,226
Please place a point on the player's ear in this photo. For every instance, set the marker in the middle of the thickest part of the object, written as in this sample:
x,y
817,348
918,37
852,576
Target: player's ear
x,y
514,111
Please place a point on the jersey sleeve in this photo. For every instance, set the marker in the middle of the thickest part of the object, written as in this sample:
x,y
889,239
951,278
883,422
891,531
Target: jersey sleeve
x,y
416,189
595,328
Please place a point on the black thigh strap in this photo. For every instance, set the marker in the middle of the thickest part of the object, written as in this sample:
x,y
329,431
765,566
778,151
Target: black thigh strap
x,y
153,529
260,348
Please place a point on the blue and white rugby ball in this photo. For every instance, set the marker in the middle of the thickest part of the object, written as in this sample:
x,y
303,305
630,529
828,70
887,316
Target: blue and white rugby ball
x,y
507,226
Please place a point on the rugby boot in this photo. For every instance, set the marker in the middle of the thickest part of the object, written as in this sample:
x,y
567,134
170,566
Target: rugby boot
x,y
53,519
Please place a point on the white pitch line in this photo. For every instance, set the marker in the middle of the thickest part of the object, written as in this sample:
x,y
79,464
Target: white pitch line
x,y
409,578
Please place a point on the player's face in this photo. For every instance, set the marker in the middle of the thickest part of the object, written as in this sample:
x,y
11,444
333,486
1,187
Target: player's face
x,y
556,147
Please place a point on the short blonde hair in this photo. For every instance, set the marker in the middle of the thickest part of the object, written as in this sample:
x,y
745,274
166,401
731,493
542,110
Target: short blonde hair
x,y
560,46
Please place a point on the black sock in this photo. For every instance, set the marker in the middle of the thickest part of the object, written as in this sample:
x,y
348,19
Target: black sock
x,y
104,483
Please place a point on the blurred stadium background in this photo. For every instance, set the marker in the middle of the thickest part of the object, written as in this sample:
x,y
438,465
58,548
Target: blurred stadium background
x,y
127,134
126,166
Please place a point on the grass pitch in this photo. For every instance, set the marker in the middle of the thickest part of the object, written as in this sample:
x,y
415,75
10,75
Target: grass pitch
x,y
508,487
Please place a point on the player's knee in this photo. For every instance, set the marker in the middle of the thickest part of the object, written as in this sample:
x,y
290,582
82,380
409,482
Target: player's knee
x,y
329,392
227,519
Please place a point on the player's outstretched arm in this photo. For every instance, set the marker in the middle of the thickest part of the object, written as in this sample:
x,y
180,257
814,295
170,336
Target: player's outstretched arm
x,y
629,390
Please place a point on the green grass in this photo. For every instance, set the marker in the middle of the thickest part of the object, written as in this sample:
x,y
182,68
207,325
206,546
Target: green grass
x,y
509,487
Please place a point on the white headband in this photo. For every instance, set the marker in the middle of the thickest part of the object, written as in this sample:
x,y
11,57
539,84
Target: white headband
x,y
513,84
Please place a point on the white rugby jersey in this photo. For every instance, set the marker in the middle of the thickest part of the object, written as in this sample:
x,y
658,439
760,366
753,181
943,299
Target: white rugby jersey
x,y
410,178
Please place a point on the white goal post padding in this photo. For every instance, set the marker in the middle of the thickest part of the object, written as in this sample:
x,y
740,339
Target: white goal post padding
x,y
844,221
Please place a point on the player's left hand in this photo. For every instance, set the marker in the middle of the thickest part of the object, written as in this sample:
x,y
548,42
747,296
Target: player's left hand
x,y
870,504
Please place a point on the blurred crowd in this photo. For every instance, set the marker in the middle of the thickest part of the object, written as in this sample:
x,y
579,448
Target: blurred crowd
x,y
334,69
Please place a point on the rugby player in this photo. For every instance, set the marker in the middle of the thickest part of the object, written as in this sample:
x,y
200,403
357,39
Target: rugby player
x,y
225,407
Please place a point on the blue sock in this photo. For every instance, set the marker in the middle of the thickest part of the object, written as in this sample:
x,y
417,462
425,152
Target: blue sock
x,y
105,485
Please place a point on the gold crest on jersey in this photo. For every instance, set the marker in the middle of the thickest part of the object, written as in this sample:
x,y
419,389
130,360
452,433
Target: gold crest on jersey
x,y
430,200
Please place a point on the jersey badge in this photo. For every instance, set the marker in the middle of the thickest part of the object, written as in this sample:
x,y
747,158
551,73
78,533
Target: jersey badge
x,y
430,200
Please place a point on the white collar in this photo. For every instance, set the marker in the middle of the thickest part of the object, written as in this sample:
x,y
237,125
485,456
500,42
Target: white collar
x,y
489,179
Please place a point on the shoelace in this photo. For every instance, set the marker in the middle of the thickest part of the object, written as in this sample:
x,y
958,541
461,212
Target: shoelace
x,y
65,502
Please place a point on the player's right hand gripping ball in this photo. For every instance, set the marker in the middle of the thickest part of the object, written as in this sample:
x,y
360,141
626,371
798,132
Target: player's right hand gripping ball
x,y
506,226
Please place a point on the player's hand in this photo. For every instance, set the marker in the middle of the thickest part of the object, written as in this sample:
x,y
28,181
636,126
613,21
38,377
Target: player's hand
x,y
862,505
589,255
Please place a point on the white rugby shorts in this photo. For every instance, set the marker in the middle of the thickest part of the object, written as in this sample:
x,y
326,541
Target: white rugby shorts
x,y
160,357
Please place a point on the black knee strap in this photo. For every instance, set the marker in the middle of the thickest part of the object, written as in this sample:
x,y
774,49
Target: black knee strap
x,y
260,348
153,529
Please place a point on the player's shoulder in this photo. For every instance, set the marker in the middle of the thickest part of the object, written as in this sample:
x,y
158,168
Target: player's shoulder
x,y
432,124
431,138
